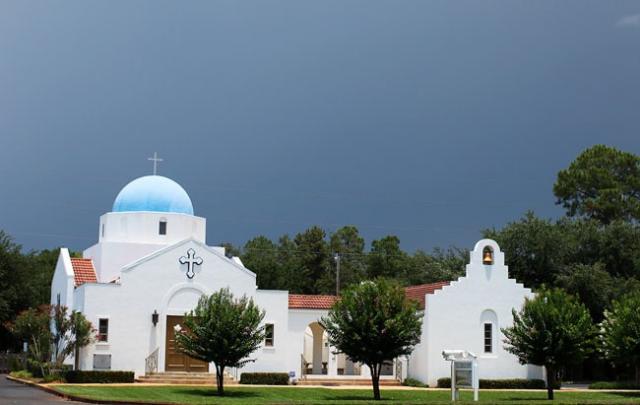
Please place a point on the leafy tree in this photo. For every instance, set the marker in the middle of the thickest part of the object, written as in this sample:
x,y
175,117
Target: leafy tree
x,y
230,250
536,250
222,330
441,265
603,183
70,332
83,332
592,284
348,243
621,332
372,323
260,255
313,259
553,330
32,326
292,278
386,258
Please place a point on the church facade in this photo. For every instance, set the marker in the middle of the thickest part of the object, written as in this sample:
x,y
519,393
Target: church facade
x,y
151,264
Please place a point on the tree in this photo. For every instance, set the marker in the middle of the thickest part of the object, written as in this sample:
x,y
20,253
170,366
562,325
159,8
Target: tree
x,y
440,265
373,323
386,258
621,332
32,326
260,255
536,249
603,183
222,330
348,243
591,284
313,259
553,330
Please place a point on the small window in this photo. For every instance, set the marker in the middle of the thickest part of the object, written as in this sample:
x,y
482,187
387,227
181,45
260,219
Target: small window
x,y
488,338
162,230
268,335
103,230
103,330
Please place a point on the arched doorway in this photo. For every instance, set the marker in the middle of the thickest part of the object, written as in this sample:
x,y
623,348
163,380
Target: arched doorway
x,y
316,350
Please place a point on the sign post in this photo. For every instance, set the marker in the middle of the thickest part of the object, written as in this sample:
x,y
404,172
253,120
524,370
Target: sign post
x,y
464,372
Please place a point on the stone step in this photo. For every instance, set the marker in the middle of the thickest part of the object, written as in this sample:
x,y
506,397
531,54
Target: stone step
x,y
183,378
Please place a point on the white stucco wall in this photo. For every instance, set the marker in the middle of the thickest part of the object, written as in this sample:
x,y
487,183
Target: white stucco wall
x,y
63,280
155,283
455,316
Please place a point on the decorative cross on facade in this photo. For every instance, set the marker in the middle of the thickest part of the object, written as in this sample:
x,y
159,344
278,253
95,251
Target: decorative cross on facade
x,y
191,260
155,159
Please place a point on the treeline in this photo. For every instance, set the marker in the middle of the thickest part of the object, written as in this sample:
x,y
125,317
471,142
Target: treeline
x,y
25,282
308,262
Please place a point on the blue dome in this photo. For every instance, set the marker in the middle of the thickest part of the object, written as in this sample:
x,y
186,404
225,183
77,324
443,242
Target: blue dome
x,y
155,194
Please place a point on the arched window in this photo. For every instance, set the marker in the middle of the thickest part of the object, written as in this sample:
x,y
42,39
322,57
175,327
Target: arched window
x,y
487,255
489,330
488,337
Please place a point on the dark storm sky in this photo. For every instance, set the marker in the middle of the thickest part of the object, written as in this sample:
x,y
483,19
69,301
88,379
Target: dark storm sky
x,y
429,120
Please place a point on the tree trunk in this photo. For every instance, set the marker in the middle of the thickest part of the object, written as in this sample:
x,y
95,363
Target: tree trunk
x,y
220,379
638,375
551,382
375,380
76,360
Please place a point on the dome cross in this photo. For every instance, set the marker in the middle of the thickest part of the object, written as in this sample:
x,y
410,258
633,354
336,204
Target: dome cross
x,y
155,160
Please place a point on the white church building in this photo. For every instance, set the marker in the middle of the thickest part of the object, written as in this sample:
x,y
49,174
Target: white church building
x,y
151,264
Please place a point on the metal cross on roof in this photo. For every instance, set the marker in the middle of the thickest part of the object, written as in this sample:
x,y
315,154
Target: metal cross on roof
x,y
155,160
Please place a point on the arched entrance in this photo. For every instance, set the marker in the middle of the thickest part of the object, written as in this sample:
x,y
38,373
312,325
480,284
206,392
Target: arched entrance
x,y
316,350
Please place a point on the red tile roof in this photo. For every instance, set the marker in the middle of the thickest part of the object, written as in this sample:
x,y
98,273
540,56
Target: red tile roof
x,y
83,271
300,301
417,292
414,292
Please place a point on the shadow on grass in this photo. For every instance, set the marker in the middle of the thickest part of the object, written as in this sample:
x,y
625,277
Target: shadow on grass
x,y
213,393
634,394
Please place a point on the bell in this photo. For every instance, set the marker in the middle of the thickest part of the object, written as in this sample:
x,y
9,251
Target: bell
x,y
488,257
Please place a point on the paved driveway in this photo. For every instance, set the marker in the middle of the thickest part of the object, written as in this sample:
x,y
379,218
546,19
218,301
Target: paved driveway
x,y
12,393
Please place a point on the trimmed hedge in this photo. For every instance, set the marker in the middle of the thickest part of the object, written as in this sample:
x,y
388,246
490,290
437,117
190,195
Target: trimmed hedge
x,y
104,377
614,385
265,378
412,382
512,383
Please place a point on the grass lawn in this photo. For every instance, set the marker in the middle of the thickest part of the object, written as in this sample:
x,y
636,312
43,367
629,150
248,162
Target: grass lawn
x,y
293,395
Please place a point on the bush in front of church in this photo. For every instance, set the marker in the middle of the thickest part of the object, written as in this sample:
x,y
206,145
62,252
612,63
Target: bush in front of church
x,y
508,383
100,377
264,378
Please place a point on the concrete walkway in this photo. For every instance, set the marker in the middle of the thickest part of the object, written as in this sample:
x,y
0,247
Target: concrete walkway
x,y
13,393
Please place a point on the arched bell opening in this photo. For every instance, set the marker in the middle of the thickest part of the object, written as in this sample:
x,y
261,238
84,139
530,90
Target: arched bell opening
x,y
487,255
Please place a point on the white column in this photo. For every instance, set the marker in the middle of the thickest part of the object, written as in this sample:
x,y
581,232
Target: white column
x,y
317,332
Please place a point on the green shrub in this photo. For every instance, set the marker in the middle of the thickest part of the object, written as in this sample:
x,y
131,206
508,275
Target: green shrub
x,y
105,377
265,378
412,382
21,374
512,383
614,385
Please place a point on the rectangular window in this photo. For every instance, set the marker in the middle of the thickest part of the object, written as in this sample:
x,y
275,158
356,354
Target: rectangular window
x,y
268,335
162,230
488,338
103,330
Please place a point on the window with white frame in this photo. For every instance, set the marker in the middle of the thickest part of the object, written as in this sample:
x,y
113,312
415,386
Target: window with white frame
x,y
103,330
269,335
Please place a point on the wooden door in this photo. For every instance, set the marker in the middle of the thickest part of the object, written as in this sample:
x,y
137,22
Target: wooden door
x,y
175,360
